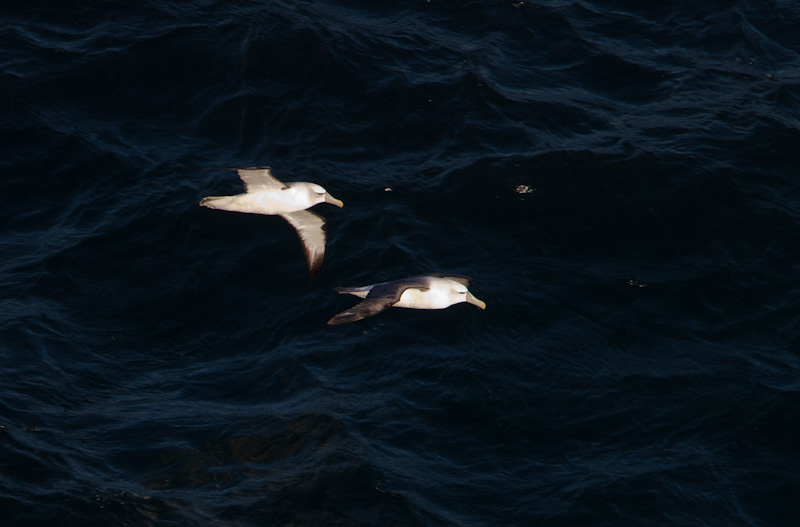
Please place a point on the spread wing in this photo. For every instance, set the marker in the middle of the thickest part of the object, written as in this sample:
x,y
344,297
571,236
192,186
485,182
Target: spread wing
x,y
311,229
380,297
464,280
259,179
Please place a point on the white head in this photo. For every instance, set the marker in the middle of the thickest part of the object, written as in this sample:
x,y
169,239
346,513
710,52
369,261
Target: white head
x,y
459,293
445,292
316,193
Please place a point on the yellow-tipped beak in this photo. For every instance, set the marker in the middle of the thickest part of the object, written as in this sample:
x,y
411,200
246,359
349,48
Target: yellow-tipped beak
x,y
474,301
333,201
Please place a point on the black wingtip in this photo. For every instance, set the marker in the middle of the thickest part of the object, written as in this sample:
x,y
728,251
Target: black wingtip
x,y
344,317
313,270
314,266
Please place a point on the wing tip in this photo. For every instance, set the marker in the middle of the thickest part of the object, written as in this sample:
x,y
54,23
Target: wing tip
x,y
314,259
345,317
314,268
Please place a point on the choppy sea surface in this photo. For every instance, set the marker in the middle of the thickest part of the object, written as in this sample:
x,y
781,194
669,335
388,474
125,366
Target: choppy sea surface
x,y
620,179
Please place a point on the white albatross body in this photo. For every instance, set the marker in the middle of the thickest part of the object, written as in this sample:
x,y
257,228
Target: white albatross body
x,y
265,194
292,197
434,291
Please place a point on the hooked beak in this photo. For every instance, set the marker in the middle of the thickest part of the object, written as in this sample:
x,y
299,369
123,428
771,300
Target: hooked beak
x,y
333,201
474,301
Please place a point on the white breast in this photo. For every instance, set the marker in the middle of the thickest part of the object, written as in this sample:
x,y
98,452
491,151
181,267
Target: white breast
x,y
272,201
437,297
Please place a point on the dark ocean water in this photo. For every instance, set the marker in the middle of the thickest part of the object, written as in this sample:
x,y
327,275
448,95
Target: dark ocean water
x,y
620,179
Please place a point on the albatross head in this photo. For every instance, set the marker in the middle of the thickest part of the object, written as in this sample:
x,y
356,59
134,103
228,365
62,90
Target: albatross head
x,y
317,194
459,293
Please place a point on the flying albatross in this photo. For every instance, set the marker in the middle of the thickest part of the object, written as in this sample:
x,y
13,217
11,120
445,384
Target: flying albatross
x,y
265,194
433,291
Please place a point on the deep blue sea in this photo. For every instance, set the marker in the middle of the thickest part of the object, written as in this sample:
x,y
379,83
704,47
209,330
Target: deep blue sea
x,y
620,179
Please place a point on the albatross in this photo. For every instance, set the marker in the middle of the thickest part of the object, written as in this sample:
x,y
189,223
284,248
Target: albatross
x,y
266,194
432,291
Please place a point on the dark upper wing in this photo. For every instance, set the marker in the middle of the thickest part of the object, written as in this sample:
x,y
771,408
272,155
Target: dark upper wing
x,y
365,309
380,297
464,280
311,229
259,179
